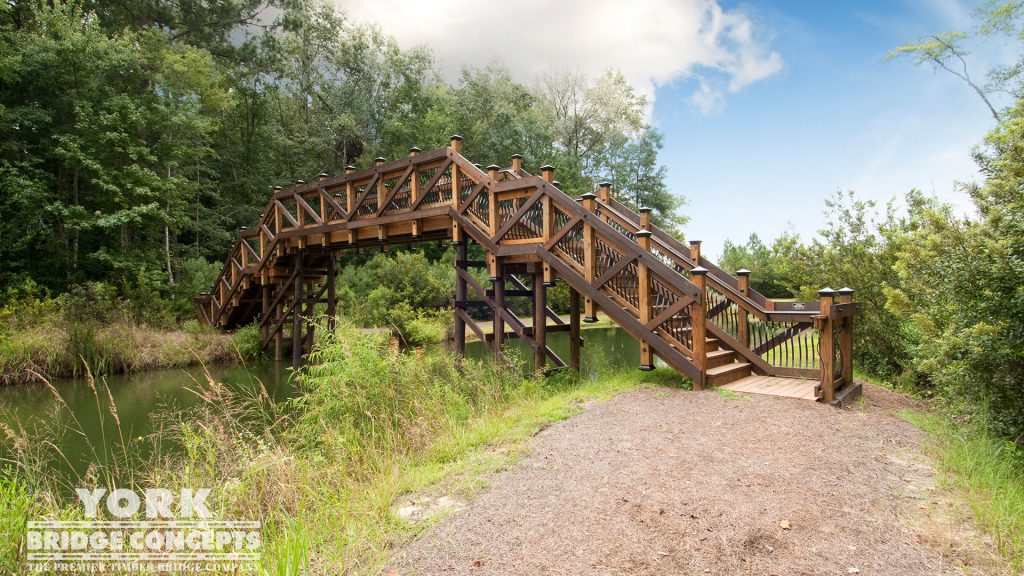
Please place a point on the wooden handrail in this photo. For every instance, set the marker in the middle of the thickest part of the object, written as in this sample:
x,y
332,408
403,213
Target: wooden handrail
x,y
639,278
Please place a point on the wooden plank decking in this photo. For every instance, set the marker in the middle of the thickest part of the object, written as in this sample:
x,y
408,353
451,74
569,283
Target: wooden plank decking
x,y
774,386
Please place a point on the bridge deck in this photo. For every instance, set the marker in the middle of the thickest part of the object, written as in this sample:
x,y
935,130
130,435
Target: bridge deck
x,y
774,386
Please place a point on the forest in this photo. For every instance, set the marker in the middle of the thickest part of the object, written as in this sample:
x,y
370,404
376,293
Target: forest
x,y
122,190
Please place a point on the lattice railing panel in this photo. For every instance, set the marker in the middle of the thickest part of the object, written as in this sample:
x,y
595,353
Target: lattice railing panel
x,y
677,327
785,344
571,244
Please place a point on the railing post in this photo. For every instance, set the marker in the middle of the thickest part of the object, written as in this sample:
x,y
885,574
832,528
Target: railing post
x,y
695,252
382,194
589,258
350,200
742,328
321,177
456,145
604,194
277,223
698,326
517,164
493,215
414,190
643,238
645,218
846,337
546,228
547,172
826,345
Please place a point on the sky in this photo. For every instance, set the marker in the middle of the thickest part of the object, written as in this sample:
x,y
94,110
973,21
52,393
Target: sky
x,y
768,107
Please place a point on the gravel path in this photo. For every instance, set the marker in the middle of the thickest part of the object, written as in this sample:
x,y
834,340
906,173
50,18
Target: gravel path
x,y
663,481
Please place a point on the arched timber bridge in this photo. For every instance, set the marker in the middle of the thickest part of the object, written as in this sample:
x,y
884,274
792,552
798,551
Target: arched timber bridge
x,y
698,319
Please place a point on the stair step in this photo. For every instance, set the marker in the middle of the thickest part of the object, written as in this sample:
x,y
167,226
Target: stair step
x,y
720,358
720,375
711,344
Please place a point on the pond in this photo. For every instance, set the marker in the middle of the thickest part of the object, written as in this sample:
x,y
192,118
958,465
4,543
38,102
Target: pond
x,y
138,396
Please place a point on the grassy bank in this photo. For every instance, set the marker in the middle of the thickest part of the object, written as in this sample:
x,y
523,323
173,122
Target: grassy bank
x,y
989,474
372,427
57,350
110,333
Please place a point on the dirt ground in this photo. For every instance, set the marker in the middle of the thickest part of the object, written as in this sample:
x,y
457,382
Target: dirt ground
x,y
664,481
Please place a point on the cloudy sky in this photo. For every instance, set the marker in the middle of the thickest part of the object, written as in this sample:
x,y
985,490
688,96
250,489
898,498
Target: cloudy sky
x,y
767,107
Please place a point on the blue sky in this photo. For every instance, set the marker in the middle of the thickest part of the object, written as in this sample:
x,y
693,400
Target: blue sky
x,y
836,117
767,107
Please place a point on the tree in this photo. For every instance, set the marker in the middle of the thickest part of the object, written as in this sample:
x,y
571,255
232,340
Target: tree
x,y
639,181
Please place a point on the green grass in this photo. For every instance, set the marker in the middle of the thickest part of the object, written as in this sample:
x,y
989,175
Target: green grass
x,y
988,472
731,395
372,426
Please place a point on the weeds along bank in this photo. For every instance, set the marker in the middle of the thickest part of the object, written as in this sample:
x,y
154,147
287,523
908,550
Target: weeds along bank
x,y
321,471
97,325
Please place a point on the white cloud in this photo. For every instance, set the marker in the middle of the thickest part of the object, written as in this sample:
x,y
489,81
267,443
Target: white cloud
x,y
651,42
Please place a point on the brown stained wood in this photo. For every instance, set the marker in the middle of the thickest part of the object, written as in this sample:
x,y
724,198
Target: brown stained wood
x,y
370,188
243,290
517,215
386,201
826,351
430,185
574,329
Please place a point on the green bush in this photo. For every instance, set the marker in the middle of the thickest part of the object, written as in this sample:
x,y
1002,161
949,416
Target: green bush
x,y
361,397
247,340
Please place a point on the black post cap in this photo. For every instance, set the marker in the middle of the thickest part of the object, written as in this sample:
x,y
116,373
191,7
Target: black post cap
x,y
699,271
743,272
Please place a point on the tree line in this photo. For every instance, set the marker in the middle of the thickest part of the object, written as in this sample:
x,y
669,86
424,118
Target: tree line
x,y
137,137
941,292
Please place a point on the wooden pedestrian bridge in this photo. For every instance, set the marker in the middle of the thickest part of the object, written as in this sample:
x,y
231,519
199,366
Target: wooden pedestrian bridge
x,y
683,309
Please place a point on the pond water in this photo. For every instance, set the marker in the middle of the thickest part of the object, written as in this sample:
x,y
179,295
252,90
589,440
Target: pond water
x,y
81,428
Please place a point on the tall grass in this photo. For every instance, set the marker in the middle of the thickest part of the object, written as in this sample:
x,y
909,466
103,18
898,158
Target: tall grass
x,y
322,471
988,471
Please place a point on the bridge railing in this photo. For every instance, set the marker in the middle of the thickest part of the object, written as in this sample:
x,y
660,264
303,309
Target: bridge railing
x,y
618,260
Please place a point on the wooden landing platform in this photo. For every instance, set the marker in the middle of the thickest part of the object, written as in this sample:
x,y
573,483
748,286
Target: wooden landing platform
x,y
774,386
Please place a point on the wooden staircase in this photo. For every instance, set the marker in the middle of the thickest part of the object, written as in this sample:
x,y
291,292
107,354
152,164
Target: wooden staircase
x,y
683,309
